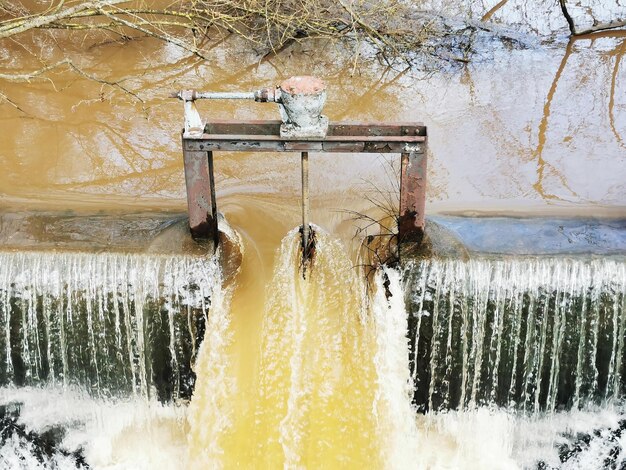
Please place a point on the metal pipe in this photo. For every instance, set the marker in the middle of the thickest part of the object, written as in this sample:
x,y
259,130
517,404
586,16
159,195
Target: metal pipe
x,y
264,95
225,95
305,204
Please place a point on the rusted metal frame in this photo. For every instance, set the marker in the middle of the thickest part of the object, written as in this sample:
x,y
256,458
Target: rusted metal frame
x,y
201,185
201,202
347,128
412,196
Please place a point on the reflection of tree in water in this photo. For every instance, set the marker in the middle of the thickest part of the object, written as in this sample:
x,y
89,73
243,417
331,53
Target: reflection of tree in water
x,y
619,53
544,168
114,157
541,17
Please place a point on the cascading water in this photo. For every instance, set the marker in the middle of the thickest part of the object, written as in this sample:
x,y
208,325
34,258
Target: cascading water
x,y
95,356
112,323
332,383
525,333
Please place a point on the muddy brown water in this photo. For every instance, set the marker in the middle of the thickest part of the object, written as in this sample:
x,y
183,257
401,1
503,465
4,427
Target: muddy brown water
x,y
539,130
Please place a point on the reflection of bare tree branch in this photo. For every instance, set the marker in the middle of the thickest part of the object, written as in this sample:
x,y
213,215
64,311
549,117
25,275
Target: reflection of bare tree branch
x,y
487,16
27,77
542,165
592,29
141,175
620,53
11,102
371,94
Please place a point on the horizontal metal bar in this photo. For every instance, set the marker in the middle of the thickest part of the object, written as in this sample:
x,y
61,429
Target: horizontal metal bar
x,y
330,138
257,127
272,127
225,95
271,145
308,146
377,128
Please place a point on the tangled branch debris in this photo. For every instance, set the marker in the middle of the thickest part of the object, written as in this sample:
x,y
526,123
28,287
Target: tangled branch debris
x,y
391,27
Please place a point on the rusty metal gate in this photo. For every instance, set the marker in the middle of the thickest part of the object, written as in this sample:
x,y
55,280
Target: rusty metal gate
x,y
304,130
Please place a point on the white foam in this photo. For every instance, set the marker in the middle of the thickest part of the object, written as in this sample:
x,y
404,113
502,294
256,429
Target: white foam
x,y
134,434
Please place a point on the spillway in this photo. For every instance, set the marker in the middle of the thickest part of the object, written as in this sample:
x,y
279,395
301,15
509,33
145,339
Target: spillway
x,y
114,324
528,333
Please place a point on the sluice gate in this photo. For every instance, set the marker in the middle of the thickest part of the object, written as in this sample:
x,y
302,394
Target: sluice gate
x,y
302,129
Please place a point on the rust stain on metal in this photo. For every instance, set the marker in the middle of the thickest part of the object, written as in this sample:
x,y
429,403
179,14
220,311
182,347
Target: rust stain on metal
x,y
412,197
200,194
350,129
303,85
308,146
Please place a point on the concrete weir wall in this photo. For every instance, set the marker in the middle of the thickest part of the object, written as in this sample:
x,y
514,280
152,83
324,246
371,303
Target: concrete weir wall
x,y
113,303
527,314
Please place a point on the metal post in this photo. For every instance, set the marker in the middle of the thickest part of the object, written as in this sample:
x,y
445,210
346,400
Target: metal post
x,y
214,228
201,194
412,197
305,203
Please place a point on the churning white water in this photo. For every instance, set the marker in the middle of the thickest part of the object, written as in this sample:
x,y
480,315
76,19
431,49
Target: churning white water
x,y
95,357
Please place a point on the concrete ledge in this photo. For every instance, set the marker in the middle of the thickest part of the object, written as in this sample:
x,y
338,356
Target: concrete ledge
x,y
459,237
144,232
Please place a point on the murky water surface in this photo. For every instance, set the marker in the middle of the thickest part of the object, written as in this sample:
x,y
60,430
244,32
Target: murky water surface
x,y
533,128
535,125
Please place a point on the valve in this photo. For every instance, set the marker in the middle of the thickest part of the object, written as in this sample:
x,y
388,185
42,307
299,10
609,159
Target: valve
x,y
300,101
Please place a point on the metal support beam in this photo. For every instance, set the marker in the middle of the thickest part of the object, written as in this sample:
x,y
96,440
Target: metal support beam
x,y
214,228
201,201
305,203
303,129
412,197
407,138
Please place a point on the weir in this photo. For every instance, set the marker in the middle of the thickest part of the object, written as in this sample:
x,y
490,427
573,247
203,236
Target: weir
x,y
456,328
525,333
113,304
527,314
126,343
114,324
